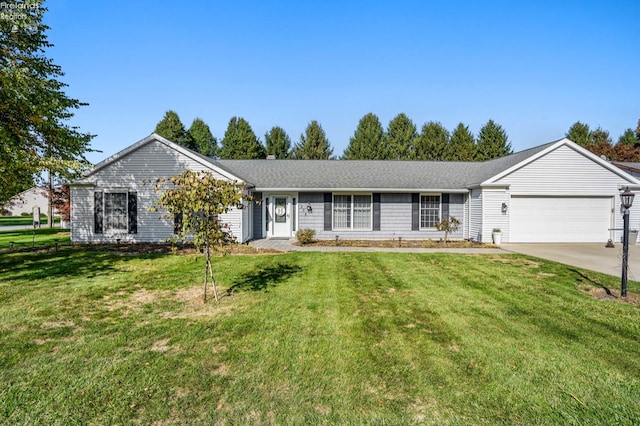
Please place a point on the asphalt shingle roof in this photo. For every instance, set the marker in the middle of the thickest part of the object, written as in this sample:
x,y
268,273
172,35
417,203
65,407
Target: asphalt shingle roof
x,y
370,174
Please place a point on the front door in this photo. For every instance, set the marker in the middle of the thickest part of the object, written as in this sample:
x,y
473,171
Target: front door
x,y
281,216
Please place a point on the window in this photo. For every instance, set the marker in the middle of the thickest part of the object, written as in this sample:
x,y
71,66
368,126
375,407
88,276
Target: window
x,y
115,212
429,210
352,211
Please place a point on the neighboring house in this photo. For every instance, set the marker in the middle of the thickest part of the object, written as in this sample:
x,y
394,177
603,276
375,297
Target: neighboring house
x,y
25,201
558,192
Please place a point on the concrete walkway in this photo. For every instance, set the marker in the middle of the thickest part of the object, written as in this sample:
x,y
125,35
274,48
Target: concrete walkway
x,y
287,245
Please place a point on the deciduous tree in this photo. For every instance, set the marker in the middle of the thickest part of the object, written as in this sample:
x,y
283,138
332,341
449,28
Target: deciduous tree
x,y
463,147
401,138
203,140
35,133
433,143
278,143
171,127
199,198
240,142
493,142
368,141
313,144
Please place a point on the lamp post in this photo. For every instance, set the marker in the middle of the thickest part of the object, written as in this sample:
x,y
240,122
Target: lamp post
x,y
627,201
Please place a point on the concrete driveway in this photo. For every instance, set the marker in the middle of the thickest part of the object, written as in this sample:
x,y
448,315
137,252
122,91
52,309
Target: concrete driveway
x,y
595,257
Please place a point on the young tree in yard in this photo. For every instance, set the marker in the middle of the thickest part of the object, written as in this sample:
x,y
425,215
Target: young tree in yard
x,y
580,134
199,198
448,226
463,147
240,142
313,144
433,143
368,141
401,137
493,142
278,143
35,134
203,140
171,127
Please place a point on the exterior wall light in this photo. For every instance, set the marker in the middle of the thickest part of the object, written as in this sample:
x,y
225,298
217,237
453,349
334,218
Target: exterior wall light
x,y
504,208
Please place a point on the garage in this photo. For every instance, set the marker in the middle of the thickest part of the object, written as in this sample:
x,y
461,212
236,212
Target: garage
x,y
542,219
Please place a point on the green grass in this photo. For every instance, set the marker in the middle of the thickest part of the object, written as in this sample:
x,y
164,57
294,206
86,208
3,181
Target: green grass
x,y
95,337
32,238
24,220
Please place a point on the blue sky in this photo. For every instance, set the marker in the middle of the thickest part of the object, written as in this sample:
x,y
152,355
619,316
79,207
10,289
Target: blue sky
x,y
533,67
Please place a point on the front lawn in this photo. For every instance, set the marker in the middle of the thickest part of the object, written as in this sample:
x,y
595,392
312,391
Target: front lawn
x,y
97,337
24,220
33,238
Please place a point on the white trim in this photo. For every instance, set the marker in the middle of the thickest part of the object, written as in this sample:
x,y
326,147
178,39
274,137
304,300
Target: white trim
x,y
352,194
428,194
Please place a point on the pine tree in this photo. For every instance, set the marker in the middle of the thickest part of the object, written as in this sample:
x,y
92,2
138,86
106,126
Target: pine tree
x,y
171,127
580,134
401,138
35,133
204,141
627,138
638,131
493,142
313,144
278,143
433,143
240,142
463,147
368,141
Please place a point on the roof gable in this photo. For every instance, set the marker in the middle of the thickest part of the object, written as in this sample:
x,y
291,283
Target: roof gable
x,y
549,148
207,162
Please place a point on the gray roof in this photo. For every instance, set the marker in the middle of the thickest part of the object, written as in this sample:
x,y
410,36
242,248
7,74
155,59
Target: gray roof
x,y
370,174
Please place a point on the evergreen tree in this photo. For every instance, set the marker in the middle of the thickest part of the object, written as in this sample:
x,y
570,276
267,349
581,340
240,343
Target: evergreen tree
x,y
433,143
493,142
401,138
580,134
204,141
463,147
638,131
601,137
35,134
627,138
278,143
240,142
313,144
368,141
171,127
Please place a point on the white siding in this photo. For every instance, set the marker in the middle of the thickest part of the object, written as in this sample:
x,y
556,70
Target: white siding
x,y
492,199
137,171
475,213
567,172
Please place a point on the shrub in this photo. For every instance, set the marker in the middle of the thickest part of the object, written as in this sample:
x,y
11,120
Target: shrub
x,y
305,236
448,225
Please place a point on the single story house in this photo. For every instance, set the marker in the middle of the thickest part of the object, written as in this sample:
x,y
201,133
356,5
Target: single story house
x,y
26,201
557,192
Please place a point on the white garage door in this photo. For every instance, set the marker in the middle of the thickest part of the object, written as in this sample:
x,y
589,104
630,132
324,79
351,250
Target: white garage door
x,y
560,220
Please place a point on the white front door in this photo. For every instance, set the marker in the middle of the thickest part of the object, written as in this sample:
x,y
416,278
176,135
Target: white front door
x,y
281,216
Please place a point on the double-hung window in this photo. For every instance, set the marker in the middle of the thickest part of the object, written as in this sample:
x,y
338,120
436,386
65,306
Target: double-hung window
x,y
429,211
115,212
352,211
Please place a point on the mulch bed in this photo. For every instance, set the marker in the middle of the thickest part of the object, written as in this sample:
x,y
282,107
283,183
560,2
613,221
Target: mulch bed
x,y
395,243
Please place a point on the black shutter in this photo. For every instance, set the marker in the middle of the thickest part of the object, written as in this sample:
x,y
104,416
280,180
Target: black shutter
x,y
415,212
376,211
327,211
97,212
133,212
177,223
445,206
